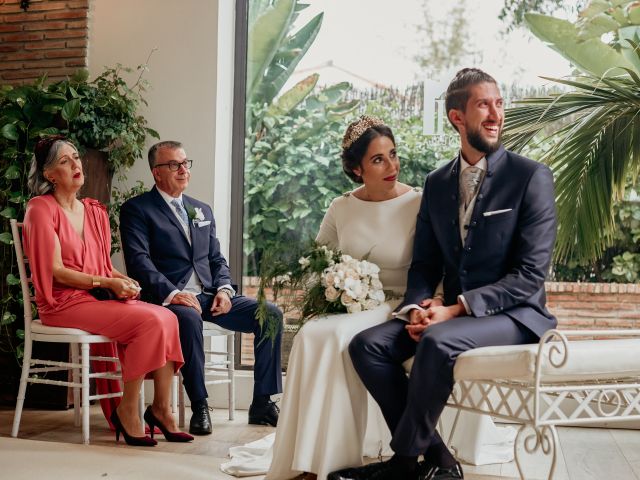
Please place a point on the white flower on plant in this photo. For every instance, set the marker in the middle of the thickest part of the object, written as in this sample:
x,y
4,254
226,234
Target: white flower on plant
x,y
304,262
331,294
376,284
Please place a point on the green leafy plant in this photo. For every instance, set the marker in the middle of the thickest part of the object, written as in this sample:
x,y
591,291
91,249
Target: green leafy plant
x,y
104,114
593,157
118,197
581,42
101,114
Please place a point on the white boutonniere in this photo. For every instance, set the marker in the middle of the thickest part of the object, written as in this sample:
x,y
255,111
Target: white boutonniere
x,y
196,215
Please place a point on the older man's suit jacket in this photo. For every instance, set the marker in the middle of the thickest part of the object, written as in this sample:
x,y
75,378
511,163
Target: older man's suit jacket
x,y
501,266
157,252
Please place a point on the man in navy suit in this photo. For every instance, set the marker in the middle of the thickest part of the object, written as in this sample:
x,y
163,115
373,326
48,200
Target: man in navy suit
x,y
486,228
170,247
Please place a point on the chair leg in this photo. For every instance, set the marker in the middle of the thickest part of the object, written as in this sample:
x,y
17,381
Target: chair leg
x,y
141,400
75,359
181,406
26,365
174,394
231,375
85,393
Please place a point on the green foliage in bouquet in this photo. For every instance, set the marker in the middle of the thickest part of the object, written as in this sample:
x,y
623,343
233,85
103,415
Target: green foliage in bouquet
x,y
295,285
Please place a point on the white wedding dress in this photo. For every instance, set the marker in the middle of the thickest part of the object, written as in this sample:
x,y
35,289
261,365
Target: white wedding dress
x,y
328,420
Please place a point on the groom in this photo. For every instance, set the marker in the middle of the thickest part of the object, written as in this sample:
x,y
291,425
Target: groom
x,y
170,247
486,228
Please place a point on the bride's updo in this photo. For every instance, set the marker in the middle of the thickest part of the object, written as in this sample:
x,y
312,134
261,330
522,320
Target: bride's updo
x,y
356,141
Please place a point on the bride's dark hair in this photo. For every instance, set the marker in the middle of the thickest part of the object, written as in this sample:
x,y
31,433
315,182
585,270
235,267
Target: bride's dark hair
x,y
353,155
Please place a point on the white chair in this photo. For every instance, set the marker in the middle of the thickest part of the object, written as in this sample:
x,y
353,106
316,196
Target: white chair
x,y
35,331
214,368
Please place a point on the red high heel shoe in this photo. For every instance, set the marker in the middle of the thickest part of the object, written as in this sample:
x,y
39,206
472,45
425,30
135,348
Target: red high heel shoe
x,y
152,421
145,441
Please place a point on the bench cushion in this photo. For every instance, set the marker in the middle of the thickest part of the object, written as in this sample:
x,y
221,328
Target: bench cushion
x,y
588,360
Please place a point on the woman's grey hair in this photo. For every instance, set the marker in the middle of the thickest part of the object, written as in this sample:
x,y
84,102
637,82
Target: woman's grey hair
x,y
37,183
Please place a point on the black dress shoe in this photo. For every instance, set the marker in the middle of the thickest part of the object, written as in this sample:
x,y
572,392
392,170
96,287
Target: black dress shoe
x,y
374,471
431,472
265,414
200,423
355,473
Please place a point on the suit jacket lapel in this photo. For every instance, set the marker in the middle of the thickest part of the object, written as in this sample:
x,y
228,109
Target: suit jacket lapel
x,y
453,196
166,210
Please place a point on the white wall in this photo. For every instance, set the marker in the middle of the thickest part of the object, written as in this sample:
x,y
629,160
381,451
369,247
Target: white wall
x,y
190,99
183,77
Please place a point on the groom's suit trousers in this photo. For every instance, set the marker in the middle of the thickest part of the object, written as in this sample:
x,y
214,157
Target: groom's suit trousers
x,y
411,406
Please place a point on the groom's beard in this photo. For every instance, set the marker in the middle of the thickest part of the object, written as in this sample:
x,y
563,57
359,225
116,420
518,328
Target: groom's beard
x,y
477,141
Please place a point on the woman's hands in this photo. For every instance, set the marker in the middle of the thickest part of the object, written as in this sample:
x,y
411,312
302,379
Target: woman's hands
x,y
125,288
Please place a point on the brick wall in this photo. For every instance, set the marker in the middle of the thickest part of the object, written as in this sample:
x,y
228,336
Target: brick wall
x,y
594,305
576,305
50,37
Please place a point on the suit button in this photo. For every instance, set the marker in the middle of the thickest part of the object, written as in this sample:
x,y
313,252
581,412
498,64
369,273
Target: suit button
x,y
453,222
463,272
474,223
480,195
488,312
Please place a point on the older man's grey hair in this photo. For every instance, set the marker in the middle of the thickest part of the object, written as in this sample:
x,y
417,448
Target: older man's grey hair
x,y
170,144
36,181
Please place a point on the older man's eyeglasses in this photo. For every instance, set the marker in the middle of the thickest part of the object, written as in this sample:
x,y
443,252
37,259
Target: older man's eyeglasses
x,y
175,166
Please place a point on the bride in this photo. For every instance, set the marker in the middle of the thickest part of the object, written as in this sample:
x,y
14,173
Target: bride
x,y
326,409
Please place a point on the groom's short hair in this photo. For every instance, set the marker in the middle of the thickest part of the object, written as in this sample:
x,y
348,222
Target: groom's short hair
x,y
172,144
457,94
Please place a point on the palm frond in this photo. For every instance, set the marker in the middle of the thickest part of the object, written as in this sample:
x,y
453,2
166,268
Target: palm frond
x,y
591,140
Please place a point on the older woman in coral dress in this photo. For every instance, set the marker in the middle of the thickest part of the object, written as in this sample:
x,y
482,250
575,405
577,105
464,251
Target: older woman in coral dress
x,y
68,243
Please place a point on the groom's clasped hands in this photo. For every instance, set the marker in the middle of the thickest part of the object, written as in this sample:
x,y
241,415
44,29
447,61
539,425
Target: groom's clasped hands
x,y
431,313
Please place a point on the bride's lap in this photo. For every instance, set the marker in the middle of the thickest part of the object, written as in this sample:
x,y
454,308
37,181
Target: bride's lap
x,y
343,326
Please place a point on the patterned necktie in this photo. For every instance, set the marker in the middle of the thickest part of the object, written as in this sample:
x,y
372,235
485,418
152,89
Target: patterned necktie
x,y
469,183
182,213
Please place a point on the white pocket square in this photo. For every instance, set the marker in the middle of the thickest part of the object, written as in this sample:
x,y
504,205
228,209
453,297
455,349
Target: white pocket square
x,y
204,224
496,212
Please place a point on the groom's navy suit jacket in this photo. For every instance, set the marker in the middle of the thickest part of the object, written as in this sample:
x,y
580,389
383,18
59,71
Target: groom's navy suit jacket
x,y
157,252
501,266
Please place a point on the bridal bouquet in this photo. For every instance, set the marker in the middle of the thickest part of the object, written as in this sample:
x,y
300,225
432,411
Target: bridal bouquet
x,y
316,281
353,283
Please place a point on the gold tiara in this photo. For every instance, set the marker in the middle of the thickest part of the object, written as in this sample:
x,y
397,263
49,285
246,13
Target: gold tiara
x,y
357,128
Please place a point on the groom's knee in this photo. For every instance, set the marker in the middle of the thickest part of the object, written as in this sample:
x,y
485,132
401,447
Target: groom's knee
x,y
359,348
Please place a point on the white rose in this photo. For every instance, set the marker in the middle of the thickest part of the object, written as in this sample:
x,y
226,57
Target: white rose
x,y
376,284
377,295
331,294
346,299
370,304
354,308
